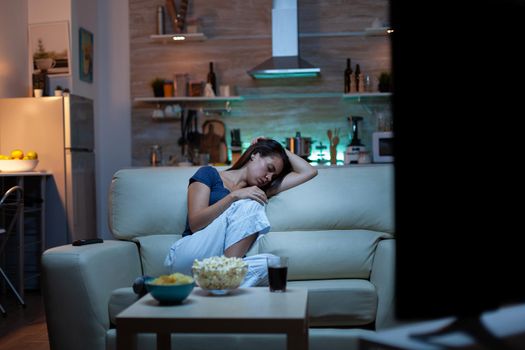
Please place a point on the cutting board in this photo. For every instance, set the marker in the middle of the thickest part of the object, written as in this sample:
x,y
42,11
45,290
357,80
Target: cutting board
x,y
213,141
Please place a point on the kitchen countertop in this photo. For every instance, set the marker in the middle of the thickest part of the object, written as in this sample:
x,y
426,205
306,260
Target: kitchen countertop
x,y
25,173
325,165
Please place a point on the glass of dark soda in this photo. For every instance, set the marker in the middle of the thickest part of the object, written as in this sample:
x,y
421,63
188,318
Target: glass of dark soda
x,y
277,272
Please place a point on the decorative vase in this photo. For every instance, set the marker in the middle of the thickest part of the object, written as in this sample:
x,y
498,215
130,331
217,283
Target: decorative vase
x,y
158,90
45,64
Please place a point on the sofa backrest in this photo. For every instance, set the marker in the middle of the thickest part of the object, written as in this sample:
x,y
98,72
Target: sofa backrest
x,y
342,198
152,201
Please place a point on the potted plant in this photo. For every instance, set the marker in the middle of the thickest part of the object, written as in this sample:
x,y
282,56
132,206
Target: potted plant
x,y
43,60
158,87
58,90
385,82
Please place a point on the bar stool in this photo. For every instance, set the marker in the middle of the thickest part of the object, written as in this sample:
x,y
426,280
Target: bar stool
x,y
11,205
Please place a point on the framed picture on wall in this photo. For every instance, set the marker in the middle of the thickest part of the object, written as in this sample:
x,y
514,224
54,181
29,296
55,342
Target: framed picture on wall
x,y
49,48
85,44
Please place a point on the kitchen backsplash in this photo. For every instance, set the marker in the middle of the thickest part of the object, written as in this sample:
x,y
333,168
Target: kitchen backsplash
x,y
276,108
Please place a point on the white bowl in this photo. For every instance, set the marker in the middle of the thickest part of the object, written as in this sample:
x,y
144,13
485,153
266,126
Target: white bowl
x,y
17,165
219,274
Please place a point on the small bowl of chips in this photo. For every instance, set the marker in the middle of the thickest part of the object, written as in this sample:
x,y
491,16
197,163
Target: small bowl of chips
x,y
170,289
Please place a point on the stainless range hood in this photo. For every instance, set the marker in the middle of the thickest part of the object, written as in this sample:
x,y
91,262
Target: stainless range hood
x,y
285,61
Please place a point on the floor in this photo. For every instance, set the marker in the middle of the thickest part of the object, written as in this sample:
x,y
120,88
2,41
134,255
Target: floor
x,y
23,327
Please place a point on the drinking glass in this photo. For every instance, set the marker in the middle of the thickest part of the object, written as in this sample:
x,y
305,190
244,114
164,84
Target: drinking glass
x,y
277,272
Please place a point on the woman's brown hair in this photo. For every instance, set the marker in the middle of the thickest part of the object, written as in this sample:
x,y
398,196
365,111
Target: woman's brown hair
x,y
266,147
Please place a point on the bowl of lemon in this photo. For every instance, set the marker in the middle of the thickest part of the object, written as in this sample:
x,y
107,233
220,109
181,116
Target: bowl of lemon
x,y
170,289
18,161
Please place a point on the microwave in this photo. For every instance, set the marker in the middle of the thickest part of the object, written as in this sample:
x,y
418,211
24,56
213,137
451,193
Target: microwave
x,y
383,147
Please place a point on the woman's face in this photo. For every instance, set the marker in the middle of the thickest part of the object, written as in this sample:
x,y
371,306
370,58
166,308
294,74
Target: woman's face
x,y
261,170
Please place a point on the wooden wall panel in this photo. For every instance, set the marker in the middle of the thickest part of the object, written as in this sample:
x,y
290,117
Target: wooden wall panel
x,y
230,28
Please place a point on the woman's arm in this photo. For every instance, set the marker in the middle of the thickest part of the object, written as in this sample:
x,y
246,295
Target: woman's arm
x,y
201,214
302,171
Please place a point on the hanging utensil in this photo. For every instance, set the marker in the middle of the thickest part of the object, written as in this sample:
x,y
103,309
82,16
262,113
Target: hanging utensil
x,y
329,134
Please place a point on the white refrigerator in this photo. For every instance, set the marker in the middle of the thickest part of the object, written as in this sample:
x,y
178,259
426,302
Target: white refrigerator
x,y
61,131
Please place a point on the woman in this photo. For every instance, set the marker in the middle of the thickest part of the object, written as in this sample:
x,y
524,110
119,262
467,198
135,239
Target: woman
x,y
226,211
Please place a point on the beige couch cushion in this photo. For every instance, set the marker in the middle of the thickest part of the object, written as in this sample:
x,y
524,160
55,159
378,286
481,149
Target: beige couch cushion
x,y
345,302
119,300
148,201
323,254
336,199
360,197
153,251
313,254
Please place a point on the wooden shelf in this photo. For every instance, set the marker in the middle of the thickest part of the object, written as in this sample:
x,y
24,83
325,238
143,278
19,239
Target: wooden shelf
x,y
184,37
205,103
312,95
356,96
178,38
337,95
187,99
367,96
166,119
379,31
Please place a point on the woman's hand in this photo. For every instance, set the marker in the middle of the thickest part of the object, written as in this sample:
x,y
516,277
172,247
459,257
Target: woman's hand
x,y
252,192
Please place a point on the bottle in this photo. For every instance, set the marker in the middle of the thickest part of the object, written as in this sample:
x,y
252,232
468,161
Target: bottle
x,y
212,79
348,76
367,83
358,77
155,155
160,20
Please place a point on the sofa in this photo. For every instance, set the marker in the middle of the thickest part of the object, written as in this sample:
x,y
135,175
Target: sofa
x,y
337,230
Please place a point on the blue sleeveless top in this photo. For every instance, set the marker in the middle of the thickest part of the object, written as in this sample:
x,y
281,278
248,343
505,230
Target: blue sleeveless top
x,y
209,176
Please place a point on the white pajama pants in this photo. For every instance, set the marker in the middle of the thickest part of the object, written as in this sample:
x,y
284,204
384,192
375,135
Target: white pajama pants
x,y
242,219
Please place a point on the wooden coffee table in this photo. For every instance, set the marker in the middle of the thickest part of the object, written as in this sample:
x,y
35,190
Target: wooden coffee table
x,y
245,310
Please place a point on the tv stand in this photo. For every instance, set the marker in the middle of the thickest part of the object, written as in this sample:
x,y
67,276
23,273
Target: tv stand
x,y
501,329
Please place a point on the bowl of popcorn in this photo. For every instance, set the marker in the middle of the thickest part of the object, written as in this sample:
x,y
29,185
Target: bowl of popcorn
x,y
219,275
170,289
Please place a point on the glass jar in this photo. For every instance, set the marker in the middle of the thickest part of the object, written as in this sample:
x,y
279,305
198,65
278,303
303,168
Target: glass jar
x,y
155,155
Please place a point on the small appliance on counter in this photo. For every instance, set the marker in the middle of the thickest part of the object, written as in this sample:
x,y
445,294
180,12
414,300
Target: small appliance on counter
x,y
383,147
355,147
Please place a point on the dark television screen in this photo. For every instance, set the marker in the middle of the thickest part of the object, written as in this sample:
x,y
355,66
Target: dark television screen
x,y
458,183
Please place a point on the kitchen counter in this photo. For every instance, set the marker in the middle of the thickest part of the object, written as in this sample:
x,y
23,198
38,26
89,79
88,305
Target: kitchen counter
x,y
26,173
326,165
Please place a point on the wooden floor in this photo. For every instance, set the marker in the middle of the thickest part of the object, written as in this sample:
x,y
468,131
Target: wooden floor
x,y
23,328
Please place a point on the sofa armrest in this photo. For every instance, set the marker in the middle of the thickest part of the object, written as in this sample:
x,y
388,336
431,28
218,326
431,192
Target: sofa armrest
x,y
77,283
383,278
